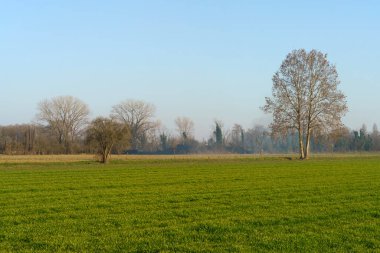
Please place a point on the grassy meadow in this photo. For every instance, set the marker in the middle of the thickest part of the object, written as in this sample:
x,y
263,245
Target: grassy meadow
x,y
190,204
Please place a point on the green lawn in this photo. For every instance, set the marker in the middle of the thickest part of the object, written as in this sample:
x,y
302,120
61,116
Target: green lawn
x,y
200,205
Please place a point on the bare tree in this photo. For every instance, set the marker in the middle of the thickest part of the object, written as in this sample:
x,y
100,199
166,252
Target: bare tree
x,y
138,116
305,97
151,141
258,134
66,116
185,128
237,138
18,139
104,134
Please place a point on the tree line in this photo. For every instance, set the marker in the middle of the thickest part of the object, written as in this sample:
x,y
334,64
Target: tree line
x,y
42,139
306,106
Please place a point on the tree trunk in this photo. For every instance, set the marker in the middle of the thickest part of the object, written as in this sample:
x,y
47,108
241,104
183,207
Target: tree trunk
x,y
68,149
307,151
104,156
300,143
106,153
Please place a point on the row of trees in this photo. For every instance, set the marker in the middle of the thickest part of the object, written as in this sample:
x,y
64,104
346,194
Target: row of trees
x,y
54,139
306,105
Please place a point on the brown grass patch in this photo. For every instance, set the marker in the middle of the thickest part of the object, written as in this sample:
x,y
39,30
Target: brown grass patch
x,y
92,157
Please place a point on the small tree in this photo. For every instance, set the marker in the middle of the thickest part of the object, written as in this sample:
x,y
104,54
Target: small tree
x,y
104,134
185,128
237,136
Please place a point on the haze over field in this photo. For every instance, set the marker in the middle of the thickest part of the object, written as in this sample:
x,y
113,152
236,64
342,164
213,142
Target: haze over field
x,y
205,60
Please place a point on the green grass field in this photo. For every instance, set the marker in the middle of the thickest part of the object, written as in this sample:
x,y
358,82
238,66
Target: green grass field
x,y
192,205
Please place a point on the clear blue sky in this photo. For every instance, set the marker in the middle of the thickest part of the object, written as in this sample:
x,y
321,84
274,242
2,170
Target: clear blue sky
x,y
197,58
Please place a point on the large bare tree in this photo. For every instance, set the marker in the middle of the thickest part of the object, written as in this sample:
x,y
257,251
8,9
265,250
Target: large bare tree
x,y
305,97
138,116
66,116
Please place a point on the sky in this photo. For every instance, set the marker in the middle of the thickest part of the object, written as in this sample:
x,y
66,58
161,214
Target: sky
x,y
204,59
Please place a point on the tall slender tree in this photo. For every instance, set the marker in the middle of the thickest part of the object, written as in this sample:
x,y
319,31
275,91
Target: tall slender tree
x,y
218,134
